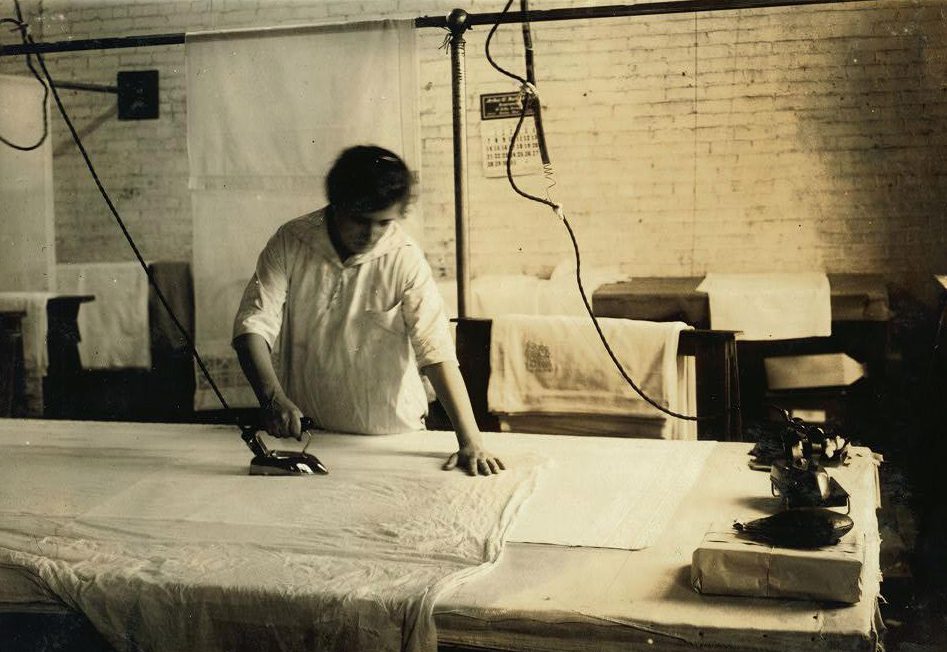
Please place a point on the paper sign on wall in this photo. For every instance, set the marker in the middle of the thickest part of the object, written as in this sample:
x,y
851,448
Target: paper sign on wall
x,y
499,114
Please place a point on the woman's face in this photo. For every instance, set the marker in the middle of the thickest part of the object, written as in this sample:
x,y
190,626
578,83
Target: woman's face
x,y
359,232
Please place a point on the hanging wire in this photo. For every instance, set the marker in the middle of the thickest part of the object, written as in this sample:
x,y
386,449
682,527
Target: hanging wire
x,y
493,30
445,44
23,28
528,94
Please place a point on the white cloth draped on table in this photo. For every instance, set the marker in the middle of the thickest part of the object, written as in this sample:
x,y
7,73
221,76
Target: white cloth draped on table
x,y
114,328
513,294
770,306
268,111
493,295
158,535
34,328
557,366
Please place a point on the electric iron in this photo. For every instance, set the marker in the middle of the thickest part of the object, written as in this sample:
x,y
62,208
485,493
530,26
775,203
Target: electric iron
x,y
279,462
806,527
799,477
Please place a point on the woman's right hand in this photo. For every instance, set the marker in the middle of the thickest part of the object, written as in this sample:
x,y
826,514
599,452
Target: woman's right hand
x,y
281,417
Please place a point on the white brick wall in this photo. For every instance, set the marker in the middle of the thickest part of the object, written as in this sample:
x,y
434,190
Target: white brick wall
x,y
786,139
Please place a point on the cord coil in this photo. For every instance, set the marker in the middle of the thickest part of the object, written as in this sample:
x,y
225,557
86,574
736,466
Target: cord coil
x,y
23,27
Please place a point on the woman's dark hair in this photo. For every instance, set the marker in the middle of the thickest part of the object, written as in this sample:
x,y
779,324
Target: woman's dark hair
x,y
367,178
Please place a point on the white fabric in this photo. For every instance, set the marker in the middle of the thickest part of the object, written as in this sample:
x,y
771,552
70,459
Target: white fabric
x,y
272,108
157,535
268,111
651,478
561,295
352,335
770,306
27,240
494,295
448,292
114,327
557,364
598,425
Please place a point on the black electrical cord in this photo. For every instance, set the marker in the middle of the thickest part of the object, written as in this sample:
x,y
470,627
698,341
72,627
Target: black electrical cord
x,y
578,277
528,91
493,30
22,27
531,78
121,224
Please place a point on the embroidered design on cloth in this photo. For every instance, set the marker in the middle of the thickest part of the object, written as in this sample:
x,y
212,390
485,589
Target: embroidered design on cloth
x,y
537,357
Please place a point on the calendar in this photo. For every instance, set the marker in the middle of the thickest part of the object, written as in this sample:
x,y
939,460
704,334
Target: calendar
x,y
499,113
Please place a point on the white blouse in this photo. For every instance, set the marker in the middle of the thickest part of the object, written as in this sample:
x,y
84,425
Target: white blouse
x,y
350,337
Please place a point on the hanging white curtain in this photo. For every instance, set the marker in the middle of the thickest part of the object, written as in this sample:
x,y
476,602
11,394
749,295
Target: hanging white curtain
x,y
268,111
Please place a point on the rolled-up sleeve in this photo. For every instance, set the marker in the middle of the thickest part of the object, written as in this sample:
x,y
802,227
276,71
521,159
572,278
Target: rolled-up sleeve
x,y
424,315
261,308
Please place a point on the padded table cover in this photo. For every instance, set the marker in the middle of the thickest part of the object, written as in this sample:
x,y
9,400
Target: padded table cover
x,y
158,535
583,599
70,489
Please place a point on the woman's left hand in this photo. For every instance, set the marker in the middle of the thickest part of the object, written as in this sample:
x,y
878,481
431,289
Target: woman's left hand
x,y
475,461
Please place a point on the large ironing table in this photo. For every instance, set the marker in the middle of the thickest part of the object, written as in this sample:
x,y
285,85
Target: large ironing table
x,y
541,593
578,598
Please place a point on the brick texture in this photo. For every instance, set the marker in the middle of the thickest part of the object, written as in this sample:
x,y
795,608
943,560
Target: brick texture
x,y
808,138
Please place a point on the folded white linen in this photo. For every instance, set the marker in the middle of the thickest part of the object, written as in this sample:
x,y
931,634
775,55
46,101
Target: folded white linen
x,y
492,295
561,296
602,425
557,364
114,328
770,306
653,477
